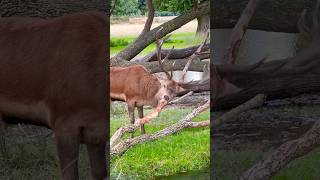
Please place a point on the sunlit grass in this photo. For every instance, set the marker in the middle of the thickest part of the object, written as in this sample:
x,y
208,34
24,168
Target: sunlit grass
x,y
185,151
180,40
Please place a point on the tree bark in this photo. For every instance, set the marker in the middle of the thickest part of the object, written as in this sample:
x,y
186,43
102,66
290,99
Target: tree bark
x,y
144,40
174,53
49,8
271,15
174,65
122,146
203,26
284,155
274,88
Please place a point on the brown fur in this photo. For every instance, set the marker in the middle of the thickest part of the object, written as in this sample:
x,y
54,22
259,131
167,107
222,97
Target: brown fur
x,y
138,87
52,72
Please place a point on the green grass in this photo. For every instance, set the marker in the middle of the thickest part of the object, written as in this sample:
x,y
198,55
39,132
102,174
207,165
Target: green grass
x,y
188,150
35,161
179,40
229,165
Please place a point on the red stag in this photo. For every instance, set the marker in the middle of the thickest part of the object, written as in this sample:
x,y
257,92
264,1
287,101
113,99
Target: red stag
x,y
138,87
48,68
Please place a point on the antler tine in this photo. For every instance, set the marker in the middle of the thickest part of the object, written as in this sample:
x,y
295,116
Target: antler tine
x,y
193,56
172,67
303,27
203,43
159,44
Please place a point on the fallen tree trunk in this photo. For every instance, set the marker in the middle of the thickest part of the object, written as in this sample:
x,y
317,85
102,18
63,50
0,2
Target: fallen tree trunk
x,y
147,38
175,65
274,88
174,54
277,79
271,15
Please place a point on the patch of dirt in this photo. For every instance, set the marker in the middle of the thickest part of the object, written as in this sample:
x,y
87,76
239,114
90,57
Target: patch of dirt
x,y
134,29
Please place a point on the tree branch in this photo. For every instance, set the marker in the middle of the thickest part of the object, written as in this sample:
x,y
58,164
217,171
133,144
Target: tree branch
x,y
148,24
256,101
275,15
284,155
186,122
153,67
147,38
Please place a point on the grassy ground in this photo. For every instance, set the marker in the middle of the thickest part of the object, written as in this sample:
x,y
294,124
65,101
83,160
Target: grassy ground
x,y
180,40
228,165
37,160
185,151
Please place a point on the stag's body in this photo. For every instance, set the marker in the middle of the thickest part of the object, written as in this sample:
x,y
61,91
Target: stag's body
x,y
138,87
48,68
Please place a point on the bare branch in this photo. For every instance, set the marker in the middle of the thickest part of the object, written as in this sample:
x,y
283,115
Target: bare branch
x,y
192,57
148,24
133,127
239,31
176,53
182,97
304,30
282,156
186,122
257,101
114,5
153,67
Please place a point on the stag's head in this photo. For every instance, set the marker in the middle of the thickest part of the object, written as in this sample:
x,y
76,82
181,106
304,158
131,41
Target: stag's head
x,y
169,88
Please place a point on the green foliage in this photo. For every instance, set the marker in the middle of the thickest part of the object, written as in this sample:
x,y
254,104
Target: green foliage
x,y
125,8
173,5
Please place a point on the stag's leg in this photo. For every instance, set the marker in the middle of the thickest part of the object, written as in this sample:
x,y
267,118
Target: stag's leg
x,y
97,155
140,112
131,107
3,124
67,139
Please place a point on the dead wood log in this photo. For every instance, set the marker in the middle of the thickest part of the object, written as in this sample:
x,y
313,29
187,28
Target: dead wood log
x,y
277,79
175,65
252,103
175,54
271,15
124,145
277,88
282,156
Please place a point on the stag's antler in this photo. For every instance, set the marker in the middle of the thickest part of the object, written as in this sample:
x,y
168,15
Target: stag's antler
x,y
159,43
192,57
